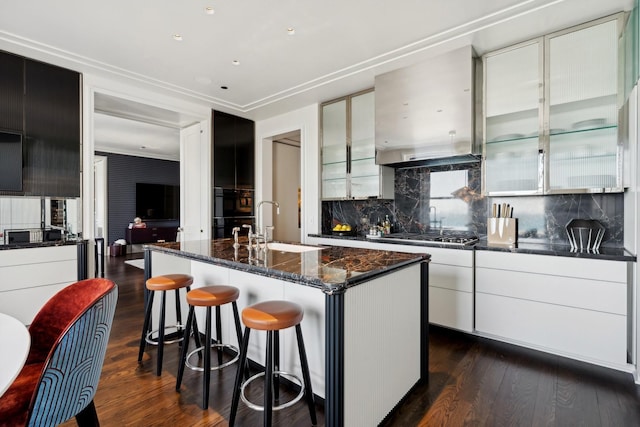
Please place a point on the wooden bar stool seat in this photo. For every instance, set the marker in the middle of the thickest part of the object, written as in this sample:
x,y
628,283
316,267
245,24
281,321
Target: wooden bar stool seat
x,y
164,283
272,317
209,296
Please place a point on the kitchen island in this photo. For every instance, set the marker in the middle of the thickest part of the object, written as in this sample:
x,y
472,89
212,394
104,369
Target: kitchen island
x,y
366,314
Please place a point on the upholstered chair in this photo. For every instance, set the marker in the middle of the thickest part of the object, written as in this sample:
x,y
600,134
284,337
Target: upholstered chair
x,y
69,338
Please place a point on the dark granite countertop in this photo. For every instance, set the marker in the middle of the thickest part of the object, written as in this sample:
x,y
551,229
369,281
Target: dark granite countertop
x,y
542,247
426,244
331,268
40,244
557,249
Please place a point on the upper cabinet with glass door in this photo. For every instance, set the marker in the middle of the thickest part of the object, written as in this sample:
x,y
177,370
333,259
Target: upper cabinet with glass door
x,y
349,170
551,114
513,90
582,111
334,150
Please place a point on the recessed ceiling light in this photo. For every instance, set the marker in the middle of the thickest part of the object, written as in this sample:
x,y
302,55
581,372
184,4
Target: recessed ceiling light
x,y
177,37
235,62
291,31
209,10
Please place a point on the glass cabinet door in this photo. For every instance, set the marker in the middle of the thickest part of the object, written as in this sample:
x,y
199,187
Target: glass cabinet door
x,y
513,92
582,109
334,150
365,177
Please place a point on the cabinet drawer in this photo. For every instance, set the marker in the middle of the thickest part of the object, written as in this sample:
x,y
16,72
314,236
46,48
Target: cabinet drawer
x,y
451,277
450,308
582,334
610,297
594,269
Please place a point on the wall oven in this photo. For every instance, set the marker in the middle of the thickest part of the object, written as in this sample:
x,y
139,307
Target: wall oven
x,y
231,208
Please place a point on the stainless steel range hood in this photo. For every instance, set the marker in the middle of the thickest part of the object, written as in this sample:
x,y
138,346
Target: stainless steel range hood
x,y
425,113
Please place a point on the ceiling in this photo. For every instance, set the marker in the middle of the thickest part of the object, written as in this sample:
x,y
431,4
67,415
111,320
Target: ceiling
x,y
338,47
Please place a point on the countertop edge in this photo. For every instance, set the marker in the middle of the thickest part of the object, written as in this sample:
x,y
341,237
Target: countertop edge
x,y
328,288
548,249
32,245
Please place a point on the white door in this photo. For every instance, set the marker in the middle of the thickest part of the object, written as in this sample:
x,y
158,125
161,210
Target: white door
x,y
195,181
100,196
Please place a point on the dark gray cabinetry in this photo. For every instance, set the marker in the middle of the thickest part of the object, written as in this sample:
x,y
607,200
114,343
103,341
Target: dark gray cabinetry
x,y
11,92
52,131
42,103
233,151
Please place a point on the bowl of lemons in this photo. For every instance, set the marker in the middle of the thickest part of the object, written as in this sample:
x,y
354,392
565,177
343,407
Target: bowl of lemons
x,y
342,229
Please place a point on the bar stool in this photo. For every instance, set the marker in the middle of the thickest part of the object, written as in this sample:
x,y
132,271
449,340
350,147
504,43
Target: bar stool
x,y
209,296
163,284
272,316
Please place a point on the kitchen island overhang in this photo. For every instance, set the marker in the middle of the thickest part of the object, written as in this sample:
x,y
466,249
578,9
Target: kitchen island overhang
x,y
372,299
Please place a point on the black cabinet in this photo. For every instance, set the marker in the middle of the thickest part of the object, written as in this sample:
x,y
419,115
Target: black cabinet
x,y
11,92
51,130
233,151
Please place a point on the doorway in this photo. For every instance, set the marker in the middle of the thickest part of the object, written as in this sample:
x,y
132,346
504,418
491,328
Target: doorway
x,y
286,187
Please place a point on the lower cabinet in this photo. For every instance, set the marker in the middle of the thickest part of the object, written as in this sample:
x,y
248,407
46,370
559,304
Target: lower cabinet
x,y
451,288
31,276
568,306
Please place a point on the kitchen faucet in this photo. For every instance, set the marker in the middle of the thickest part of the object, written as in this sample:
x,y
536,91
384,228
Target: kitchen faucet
x,y
434,221
262,230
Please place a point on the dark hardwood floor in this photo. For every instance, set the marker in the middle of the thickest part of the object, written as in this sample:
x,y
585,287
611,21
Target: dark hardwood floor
x,y
472,381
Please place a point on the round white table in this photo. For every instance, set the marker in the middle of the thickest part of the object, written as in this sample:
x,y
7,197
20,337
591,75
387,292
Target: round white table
x,y
15,348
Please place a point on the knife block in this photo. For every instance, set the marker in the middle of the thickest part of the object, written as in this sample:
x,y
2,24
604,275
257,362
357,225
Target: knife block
x,y
502,231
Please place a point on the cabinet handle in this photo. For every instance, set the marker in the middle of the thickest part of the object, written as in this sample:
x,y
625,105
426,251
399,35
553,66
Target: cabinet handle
x,y
348,159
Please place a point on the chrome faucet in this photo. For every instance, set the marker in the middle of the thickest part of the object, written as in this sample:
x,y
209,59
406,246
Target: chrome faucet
x,y
434,221
250,234
235,231
262,230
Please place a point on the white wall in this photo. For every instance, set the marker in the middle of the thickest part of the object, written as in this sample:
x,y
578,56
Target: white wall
x,y
286,179
306,120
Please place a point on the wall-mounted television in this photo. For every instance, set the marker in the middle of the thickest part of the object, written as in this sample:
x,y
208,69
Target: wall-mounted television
x,y
10,161
157,201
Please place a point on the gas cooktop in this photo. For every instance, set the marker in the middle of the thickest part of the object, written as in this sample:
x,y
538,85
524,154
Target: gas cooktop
x,y
449,238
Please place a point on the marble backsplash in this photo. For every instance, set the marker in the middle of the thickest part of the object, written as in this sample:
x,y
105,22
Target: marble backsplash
x,y
455,203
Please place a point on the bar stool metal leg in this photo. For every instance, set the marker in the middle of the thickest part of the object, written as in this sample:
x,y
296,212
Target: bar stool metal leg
x,y
268,386
306,376
235,400
219,333
185,347
160,353
145,328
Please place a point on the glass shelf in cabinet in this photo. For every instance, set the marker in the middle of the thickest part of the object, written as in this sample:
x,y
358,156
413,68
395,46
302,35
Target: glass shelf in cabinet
x,y
339,162
580,130
512,138
363,159
334,179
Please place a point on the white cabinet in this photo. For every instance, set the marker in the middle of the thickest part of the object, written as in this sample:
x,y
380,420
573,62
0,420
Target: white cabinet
x,y
551,113
31,276
348,150
451,288
450,280
574,307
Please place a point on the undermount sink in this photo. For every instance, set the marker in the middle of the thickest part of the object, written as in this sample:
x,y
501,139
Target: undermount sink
x,y
287,247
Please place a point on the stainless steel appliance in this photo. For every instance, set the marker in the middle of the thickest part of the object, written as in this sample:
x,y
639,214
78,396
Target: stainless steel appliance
x,y
426,111
449,238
